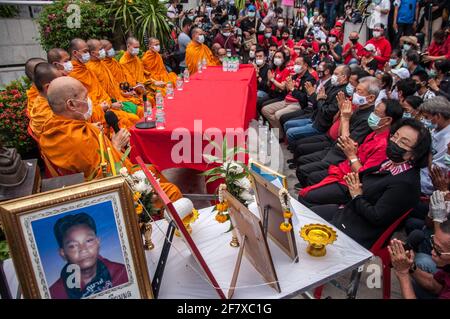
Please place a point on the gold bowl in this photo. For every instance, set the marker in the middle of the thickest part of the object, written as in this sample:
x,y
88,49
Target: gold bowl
x,y
318,236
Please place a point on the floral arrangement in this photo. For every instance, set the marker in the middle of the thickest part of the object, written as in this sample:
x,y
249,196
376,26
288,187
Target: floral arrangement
x,y
55,22
13,116
286,226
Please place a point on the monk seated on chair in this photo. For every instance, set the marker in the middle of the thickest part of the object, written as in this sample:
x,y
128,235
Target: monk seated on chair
x,y
196,51
33,92
70,142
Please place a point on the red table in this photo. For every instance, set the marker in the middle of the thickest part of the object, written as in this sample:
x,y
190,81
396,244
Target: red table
x,y
212,99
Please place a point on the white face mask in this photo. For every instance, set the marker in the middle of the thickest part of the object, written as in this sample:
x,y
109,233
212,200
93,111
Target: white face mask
x,y
201,38
259,62
297,69
359,100
68,67
251,14
280,24
85,57
226,34
316,14
267,35
111,53
88,113
101,54
134,51
332,40
334,80
316,28
157,48
277,61
376,34
251,54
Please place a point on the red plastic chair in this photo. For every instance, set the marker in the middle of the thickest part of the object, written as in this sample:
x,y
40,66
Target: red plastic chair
x,y
380,250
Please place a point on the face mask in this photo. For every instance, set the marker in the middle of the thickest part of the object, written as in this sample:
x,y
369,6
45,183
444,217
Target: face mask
x,y
395,153
199,24
85,57
428,124
251,54
334,80
280,24
447,159
267,35
277,61
349,89
373,121
68,67
259,62
251,14
432,73
157,48
316,28
392,62
297,68
134,51
332,40
406,47
354,41
359,100
101,54
226,34
407,115
376,34
201,38
111,53
316,14
88,113
377,2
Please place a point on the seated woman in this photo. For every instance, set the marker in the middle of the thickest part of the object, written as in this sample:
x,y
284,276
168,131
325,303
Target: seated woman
x,y
381,194
372,152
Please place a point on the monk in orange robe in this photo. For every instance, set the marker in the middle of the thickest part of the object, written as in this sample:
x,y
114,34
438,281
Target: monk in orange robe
x,y
71,143
32,92
132,63
119,72
61,60
80,56
105,77
196,51
154,64
40,112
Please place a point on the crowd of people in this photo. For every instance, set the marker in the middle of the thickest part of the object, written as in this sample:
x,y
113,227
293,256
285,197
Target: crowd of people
x,y
367,121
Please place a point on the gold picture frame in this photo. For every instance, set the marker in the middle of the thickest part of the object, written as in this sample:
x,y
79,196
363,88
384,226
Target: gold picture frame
x,y
88,209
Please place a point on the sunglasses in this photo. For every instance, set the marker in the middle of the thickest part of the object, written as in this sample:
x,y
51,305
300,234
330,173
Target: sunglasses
x,y
439,253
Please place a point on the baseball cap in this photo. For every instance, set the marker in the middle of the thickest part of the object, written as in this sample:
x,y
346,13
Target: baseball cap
x,y
402,73
251,8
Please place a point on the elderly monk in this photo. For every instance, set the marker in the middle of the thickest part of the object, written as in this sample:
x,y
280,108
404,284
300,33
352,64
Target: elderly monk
x,y
119,72
33,92
71,143
61,60
106,78
132,63
215,51
40,112
79,52
196,51
154,64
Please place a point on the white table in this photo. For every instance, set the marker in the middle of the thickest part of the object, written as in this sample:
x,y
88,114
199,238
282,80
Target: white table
x,y
183,278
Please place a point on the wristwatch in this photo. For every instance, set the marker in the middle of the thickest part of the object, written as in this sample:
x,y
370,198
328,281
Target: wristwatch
x,y
413,268
354,160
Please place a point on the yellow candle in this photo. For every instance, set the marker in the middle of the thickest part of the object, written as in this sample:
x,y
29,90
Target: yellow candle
x,y
102,153
111,161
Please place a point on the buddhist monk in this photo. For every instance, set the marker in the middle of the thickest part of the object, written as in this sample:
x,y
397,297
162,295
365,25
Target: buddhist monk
x,y
61,60
196,51
133,63
79,52
40,112
106,78
215,51
154,64
119,72
71,143
33,92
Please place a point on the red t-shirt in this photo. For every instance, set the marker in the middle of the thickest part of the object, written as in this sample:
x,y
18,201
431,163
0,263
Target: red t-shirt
x,y
383,53
289,43
280,76
262,41
440,49
305,44
358,48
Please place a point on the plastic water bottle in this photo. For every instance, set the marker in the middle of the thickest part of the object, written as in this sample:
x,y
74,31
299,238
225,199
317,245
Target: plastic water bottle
x,y
160,119
180,83
148,112
204,64
186,75
225,64
228,53
159,99
230,64
199,66
169,90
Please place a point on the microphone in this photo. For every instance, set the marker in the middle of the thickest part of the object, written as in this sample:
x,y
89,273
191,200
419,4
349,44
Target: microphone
x,y
414,239
112,120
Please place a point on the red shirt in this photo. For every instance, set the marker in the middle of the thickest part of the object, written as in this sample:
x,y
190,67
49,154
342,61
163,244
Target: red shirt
x,y
304,43
280,76
289,43
262,41
358,48
383,47
440,49
443,278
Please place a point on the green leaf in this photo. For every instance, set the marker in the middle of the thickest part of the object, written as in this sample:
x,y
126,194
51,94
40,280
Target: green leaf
x,y
224,150
118,166
213,178
215,170
211,158
125,155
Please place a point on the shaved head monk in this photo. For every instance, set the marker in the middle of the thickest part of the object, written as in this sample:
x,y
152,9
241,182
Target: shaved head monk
x,y
119,72
154,64
79,52
196,51
40,111
215,51
33,92
132,63
71,143
60,59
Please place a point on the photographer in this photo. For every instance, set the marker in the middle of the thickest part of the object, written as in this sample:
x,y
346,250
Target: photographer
x,y
174,10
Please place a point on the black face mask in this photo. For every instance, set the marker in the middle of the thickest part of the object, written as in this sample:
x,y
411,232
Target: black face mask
x,y
395,153
354,41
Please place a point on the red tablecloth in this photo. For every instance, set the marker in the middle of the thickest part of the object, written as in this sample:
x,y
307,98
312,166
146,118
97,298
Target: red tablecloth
x,y
213,99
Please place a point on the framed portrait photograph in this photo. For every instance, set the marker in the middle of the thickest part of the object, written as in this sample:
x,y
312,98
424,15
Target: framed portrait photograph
x,y
79,242
277,179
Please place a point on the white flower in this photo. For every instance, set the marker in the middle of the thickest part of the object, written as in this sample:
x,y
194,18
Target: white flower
x,y
233,168
246,196
142,187
243,183
140,175
124,172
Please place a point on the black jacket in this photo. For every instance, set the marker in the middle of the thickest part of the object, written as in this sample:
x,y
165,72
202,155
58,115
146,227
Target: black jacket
x,y
300,92
326,109
385,198
444,87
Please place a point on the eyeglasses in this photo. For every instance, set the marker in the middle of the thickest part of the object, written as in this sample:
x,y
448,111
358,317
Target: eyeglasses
x,y
438,251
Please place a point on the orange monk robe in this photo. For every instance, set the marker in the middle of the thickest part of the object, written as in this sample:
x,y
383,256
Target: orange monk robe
x,y
110,84
73,145
134,67
32,95
216,61
154,65
195,52
119,72
39,114
98,95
